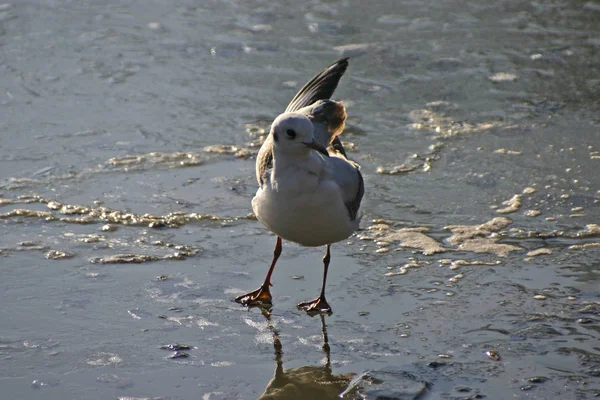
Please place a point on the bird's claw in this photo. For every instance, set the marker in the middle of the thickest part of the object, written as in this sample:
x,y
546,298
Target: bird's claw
x,y
316,306
259,297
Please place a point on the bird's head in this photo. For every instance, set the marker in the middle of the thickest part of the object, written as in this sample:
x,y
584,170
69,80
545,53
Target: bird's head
x,y
293,133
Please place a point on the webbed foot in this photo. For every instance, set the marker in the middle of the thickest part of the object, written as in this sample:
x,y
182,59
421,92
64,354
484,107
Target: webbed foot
x,y
259,297
316,306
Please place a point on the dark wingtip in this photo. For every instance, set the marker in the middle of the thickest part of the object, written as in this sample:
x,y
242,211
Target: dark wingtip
x,y
321,86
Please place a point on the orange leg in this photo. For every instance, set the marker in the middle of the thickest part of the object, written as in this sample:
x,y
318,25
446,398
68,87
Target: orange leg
x,y
319,305
262,295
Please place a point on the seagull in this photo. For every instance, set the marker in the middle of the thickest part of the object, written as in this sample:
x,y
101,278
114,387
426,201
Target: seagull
x,y
309,191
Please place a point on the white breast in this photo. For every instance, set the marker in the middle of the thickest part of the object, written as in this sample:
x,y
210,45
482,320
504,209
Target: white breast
x,y
310,215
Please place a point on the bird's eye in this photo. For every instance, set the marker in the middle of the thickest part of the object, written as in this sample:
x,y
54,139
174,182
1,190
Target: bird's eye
x,y
291,133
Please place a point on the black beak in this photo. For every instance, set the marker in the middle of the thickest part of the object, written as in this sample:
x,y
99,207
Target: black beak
x,y
318,147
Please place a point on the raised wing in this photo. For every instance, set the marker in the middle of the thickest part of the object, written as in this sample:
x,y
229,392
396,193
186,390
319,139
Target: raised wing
x,y
328,118
320,87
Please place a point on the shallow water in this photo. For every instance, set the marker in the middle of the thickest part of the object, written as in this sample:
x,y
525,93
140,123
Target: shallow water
x,y
127,138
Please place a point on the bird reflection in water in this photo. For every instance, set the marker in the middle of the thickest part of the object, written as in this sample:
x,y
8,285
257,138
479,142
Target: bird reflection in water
x,y
306,382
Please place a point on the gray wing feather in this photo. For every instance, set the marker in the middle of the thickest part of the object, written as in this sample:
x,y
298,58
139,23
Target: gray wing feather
x,y
346,174
354,205
328,118
264,160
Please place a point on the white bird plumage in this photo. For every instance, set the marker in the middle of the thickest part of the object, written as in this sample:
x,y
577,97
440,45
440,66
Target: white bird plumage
x,y
304,199
309,193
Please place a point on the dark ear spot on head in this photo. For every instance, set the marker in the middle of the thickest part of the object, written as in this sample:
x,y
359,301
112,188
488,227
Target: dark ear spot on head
x,y
291,133
275,136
